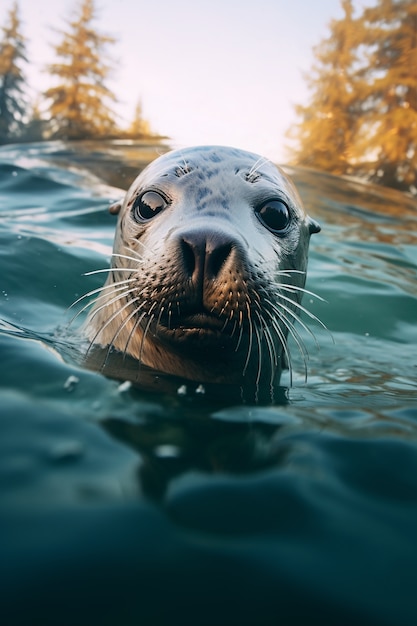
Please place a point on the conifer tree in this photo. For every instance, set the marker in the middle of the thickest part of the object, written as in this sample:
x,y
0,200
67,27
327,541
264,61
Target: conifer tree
x,y
36,128
139,127
81,102
326,132
389,142
13,104
362,116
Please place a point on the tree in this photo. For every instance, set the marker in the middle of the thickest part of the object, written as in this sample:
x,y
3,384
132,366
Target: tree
x,y
389,105
81,102
326,132
13,105
36,129
139,127
362,117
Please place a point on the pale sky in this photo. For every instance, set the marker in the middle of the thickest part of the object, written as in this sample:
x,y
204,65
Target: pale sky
x,y
207,71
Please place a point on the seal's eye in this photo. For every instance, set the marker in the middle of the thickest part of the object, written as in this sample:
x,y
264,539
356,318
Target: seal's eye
x,y
274,215
146,206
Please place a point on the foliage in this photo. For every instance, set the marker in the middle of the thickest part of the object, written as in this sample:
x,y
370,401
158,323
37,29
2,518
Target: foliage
x,y
362,115
139,127
326,134
390,100
13,105
80,102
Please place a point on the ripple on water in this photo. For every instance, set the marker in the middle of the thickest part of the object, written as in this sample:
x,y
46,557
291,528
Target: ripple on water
x,y
303,512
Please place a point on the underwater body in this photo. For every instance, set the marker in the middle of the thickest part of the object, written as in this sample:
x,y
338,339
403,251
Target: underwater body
x,y
121,505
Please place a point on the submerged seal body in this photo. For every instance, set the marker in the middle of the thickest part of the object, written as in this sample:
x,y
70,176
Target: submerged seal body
x,y
208,268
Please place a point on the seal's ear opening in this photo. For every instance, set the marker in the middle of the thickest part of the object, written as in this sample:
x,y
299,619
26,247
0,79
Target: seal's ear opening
x,y
115,207
313,226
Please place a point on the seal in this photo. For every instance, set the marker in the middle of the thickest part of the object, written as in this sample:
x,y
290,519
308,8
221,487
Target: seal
x,y
208,269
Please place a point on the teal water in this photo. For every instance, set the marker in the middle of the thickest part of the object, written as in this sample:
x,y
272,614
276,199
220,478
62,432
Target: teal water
x,y
124,507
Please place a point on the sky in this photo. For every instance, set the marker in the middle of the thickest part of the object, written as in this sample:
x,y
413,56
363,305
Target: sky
x,y
206,71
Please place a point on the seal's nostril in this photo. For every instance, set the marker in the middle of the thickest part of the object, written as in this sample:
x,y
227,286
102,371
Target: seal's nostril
x,y
188,257
216,258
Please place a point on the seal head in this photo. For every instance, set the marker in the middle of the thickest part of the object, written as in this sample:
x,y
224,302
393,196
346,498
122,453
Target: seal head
x,y
208,268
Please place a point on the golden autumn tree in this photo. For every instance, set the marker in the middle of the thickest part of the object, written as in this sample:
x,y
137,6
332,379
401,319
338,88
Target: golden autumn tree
x,y
325,133
362,115
139,127
80,101
388,141
13,104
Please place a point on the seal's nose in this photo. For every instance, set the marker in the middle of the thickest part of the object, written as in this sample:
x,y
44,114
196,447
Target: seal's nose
x,y
204,253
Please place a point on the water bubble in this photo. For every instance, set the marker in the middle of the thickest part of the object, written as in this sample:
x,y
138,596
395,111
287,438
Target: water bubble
x,y
182,391
167,451
124,386
71,383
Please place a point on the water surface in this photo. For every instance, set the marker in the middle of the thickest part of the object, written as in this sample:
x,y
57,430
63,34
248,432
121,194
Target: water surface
x,y
124,507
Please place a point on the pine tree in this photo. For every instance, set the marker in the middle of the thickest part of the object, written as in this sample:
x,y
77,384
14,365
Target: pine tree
x,y
362,117
389,142
81,102
13,105
36,128
139,127
326,132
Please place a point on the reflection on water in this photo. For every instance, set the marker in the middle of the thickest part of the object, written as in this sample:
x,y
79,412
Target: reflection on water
x,y
169,450
298,512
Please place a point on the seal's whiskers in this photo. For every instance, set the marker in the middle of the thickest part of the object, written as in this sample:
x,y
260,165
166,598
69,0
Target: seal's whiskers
x,y
137,259
132,332
281,310
251,176
109,270
299,307
118,286
161,311
241,328
294,334
259,344
146,330
294,288
182,170
245,367
109,320
269,344
121,327
108,303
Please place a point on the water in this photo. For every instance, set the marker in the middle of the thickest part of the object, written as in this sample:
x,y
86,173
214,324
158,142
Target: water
x,y
122,507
